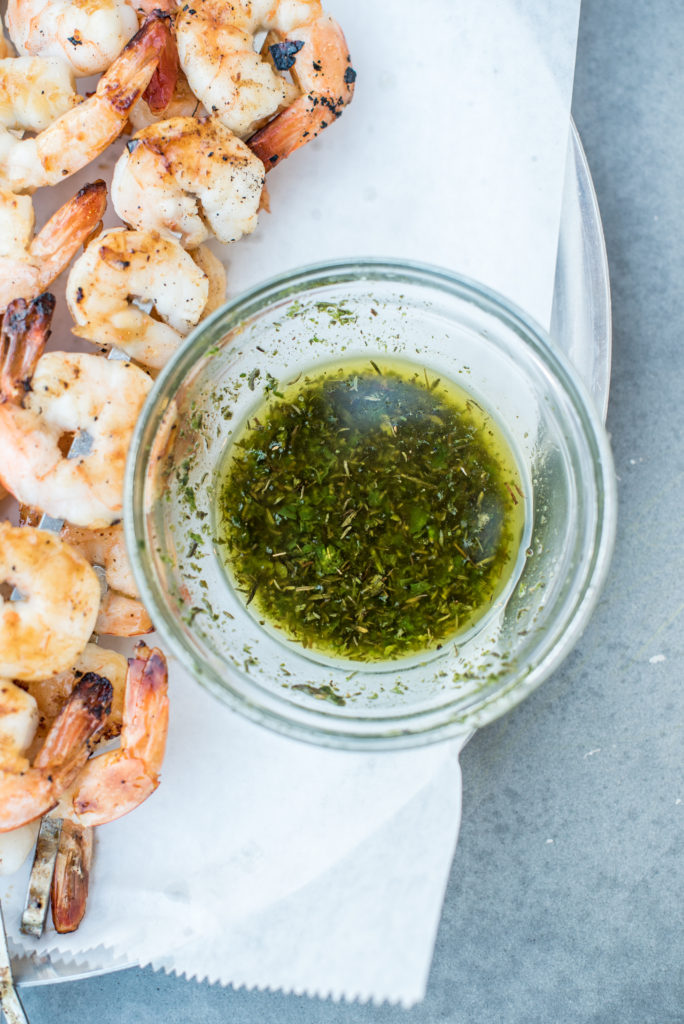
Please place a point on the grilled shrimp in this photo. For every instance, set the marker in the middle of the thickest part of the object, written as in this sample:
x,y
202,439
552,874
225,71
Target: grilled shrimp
x,y
28,263
46,400
121,611
245,89
50,694
27,791
79,134
121,266
190,177
325,78
34,92
18,722
114,783
47,628
88,36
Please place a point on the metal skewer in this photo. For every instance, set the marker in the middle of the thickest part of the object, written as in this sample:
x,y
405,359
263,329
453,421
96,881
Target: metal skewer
x,y
10,1004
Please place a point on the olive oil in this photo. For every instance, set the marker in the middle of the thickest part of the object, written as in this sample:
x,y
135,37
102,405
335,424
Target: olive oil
x,y
369,511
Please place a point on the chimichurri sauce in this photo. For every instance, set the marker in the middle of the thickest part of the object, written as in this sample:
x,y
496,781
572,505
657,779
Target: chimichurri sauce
x,y
369,511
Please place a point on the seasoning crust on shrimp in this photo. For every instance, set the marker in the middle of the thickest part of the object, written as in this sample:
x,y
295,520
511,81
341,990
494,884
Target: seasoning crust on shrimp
x,y
191,177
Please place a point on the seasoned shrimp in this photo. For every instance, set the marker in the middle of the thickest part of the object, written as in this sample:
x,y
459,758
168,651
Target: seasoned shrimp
x,y
121,266
114,783
34,92
51,693
325,77
82,132
88,36
28,263
45,631
121,611
29,791
244,89
44,402
18,723
189,177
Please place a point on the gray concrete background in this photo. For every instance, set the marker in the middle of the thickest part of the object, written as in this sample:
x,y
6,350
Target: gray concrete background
x,y
588,927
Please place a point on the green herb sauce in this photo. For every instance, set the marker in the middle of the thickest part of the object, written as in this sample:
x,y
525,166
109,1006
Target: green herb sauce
x,y
368,511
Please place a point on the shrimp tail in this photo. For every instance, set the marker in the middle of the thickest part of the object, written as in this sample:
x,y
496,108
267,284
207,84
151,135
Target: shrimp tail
x,y
123,84
65,749
24,334
322,68
71,878
147,704
159,92
70,227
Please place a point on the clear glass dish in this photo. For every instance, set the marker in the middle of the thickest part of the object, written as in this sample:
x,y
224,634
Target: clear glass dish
x,y
455,329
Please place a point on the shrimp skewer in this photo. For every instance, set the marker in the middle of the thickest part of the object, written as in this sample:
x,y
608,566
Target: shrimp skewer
x,y
44,401
190,177
29,791
112,784
120,266
85,130
28,264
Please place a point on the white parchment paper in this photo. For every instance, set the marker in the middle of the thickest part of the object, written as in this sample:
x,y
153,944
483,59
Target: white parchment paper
x,y
261,861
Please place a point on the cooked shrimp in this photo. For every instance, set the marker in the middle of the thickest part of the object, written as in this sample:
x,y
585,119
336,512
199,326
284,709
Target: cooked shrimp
x,y
121,266
190,177
45,631
244,89
50,694
325,77
34,92
121,611
28,263
29,791
88,36
114,783
18,722
44,401
82,132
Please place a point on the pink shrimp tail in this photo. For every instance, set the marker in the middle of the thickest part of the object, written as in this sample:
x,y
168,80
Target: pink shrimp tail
x,y
24,334
159,92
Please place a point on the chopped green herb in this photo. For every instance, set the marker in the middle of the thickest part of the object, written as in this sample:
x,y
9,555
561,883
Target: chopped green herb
x,y
370,512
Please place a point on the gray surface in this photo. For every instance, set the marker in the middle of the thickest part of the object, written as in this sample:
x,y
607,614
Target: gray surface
x,y
589,927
